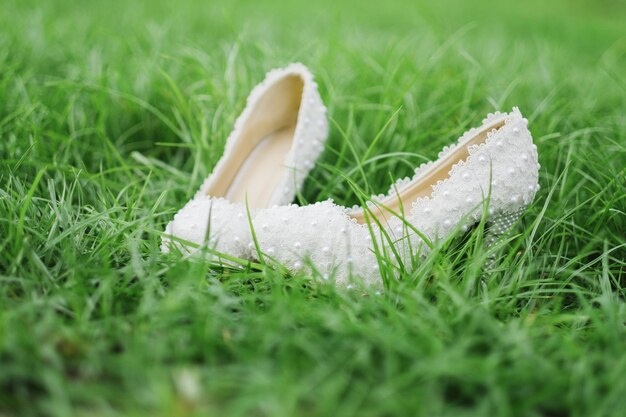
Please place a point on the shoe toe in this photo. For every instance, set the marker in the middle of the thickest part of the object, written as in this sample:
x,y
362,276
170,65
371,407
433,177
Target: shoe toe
x,y
215,223
319,237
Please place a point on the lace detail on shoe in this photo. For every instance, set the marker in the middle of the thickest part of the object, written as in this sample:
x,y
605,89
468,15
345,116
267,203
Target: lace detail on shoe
x,y
448,149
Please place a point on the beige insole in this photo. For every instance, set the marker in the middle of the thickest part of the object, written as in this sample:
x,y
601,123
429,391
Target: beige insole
x,y
256,164
422,186
260,174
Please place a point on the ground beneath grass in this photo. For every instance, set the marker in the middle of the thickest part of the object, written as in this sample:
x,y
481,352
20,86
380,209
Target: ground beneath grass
x,y
112,113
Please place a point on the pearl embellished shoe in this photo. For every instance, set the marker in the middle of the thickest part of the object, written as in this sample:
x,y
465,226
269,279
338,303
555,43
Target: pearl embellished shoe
x,y
267,157
491,171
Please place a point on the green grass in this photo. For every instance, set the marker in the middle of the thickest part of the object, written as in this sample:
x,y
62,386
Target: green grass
x,y
112,113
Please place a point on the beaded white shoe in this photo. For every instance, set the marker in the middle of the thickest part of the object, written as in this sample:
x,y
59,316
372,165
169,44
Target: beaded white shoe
x,y
267,157
492,170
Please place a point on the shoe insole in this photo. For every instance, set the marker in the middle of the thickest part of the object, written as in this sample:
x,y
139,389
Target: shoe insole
x,y
422,186
260,174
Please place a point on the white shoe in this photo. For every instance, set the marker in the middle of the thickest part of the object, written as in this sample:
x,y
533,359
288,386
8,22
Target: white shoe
x,y
267,157
496,164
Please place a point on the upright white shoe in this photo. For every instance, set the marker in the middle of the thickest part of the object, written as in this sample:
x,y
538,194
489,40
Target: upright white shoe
x,y
496,165
267,157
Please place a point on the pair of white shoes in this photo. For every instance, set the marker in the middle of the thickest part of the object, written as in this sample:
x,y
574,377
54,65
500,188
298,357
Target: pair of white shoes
x,y
243,208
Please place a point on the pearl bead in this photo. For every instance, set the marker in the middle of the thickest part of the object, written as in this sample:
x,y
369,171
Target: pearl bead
x,y
297,265
325,276
343,230
270,251
447,223
511,170
297,245
240,215
515,129
465,176
514,199
236,239
524,157
446,193
398,229
325,249
531,187
265,227
491,211
464,228
482,158
313,223
427,210
469,200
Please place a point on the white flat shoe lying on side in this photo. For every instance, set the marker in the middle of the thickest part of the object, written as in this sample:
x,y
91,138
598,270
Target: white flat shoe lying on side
x,y
497,161
267,157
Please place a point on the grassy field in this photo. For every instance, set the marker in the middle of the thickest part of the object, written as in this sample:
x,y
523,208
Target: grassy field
x,y
112,113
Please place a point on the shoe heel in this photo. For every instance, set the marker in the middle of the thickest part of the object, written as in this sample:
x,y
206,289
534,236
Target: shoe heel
x,y
497,226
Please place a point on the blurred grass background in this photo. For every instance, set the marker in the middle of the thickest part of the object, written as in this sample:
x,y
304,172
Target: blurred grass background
x,y
112,113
